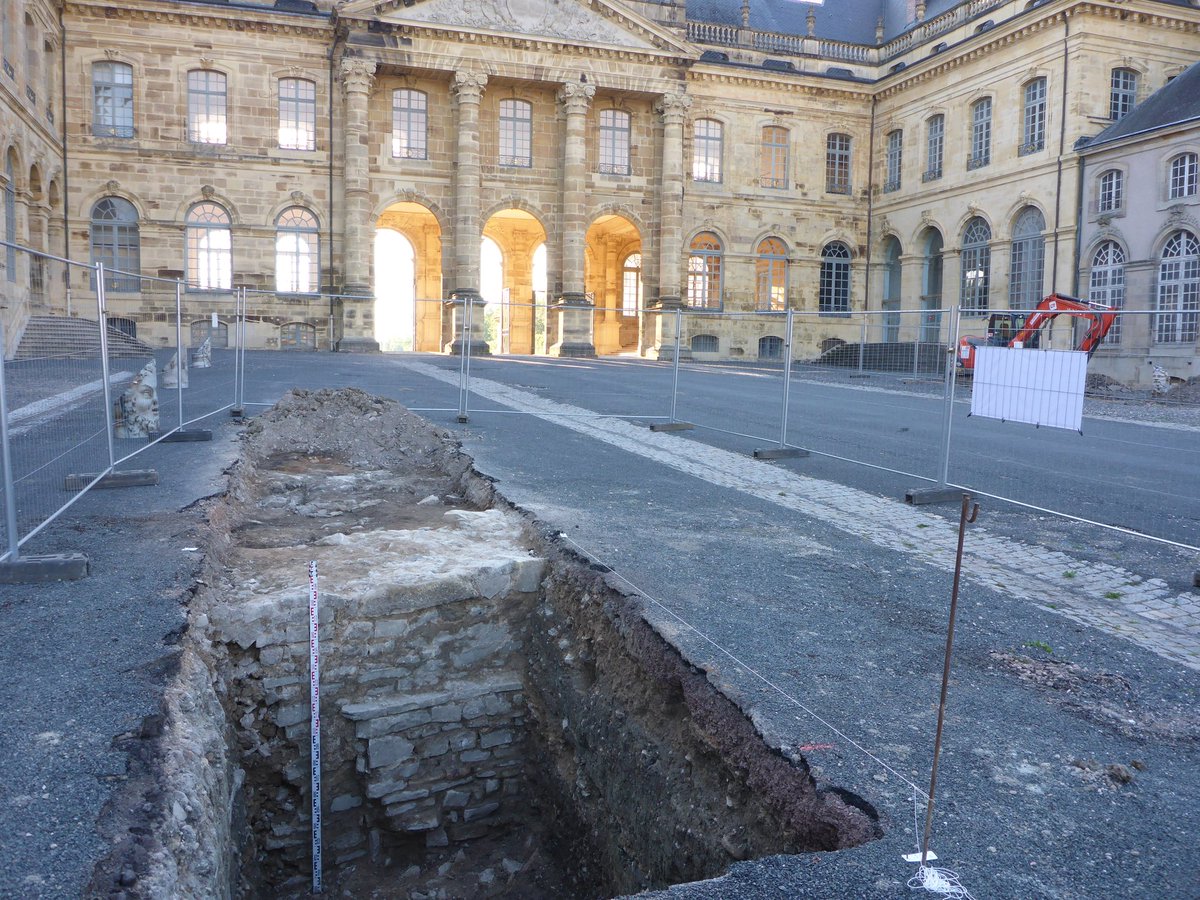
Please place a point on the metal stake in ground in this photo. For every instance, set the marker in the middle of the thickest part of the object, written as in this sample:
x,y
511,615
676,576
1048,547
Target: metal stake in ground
x,y
963,522
314,693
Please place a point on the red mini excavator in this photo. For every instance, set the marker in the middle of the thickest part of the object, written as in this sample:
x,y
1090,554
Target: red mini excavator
x,y
1006,329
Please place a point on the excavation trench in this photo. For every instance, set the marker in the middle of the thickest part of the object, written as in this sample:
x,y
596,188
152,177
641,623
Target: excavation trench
x,y
497,717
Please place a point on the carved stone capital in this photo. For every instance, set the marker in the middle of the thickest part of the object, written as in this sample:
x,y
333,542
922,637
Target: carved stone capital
x,y
673,108
357,75
468,86
576,96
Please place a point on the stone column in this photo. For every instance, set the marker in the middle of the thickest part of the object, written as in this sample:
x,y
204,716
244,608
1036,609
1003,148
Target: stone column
x,y
572,313
357,77
910,295
468,90
952,292
673,108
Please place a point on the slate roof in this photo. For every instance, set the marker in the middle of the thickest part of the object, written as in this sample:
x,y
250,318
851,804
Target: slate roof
x,y
1174,103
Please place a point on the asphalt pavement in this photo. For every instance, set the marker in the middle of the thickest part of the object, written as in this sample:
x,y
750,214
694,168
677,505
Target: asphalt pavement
x,y
805,588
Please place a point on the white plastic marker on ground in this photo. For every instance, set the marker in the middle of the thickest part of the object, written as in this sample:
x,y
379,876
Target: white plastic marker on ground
x,y
314,693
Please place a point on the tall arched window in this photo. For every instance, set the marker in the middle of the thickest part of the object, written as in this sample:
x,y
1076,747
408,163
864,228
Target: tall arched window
x,y
770,283
976,266
1033,133
297,252
1178,309
981,134
116,242
834,292
1106,283
209,248
10,218
704,272
1027,260
631,285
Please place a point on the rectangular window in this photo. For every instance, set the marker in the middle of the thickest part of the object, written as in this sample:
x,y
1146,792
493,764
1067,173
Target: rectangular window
x,y
410,124
614,142
1033,135
935,147
112,100
297,114
1122,94
981,134
1183,176
837,164
774,170
516,133
706,150
207,123
1111,196
895,159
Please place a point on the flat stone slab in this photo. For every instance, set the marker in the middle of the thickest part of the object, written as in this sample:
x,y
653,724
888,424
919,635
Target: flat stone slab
x,y
923,496
42,569
131,478
780,453
672,426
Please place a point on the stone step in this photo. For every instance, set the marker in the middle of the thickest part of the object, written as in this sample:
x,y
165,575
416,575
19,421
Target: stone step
x,y
63,336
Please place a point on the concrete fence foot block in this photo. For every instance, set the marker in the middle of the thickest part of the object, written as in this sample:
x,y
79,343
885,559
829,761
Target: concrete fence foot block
x,y
923,496
672,426
42,569
462,420
132,478
780,453
184,437
237,412
1196,578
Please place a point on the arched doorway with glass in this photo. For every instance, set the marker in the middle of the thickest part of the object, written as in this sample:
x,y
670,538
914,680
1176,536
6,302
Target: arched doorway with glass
x,y
891,290
613,282
931,286
408,279
512,280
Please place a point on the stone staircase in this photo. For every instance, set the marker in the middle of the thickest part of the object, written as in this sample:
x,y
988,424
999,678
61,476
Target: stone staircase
x,y
60,336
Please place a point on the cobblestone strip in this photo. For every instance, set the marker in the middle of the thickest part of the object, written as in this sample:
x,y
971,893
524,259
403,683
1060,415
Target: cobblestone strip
x,y
1101,596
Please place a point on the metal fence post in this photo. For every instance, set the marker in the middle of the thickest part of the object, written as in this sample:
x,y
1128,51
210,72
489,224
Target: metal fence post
x,y
787,377
101,318
862,341
181,361
464,365
675,362
10,497
241,398
951,357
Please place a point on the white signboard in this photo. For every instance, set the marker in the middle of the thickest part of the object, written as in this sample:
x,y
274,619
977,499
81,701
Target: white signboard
x,y
1041,387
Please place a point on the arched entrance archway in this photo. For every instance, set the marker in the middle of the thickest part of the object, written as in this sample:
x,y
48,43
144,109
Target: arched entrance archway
x,y
613,281
517,292
408,279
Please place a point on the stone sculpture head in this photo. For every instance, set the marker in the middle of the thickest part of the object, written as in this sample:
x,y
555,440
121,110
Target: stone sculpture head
x,y
174,375
202,355
136,411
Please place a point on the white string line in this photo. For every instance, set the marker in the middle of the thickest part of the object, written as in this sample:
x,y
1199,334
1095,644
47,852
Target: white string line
x,y
930,878
755,673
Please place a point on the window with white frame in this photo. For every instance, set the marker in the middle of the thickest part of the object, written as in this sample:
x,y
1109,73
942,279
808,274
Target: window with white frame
x,y
704,272
976,260
1106,283
834,291
614,142
1177,313
207,121
116,242
895,160
1033,132
297,252
1122,93
1027,260
410,124
297,114
981,133
935,147
631,285
1110,194
1183,176
209,241
112,100
770,282
707,140
837,164
516,133
773,158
